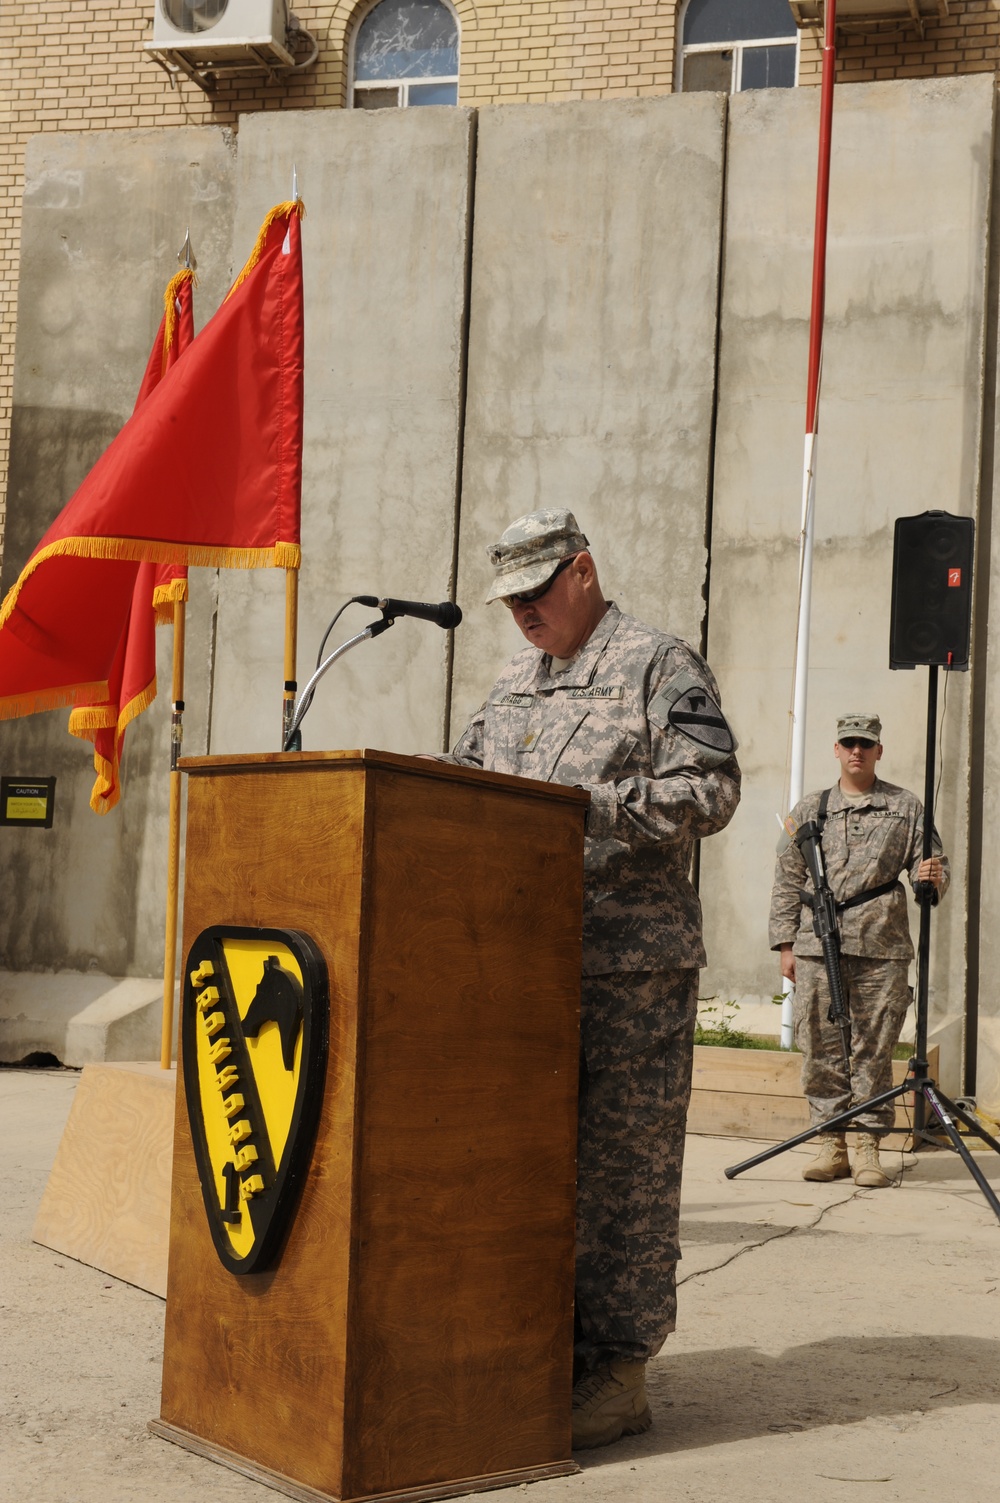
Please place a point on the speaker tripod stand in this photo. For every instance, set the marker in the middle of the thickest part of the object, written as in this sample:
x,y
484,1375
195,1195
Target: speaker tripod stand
x,y
919,1082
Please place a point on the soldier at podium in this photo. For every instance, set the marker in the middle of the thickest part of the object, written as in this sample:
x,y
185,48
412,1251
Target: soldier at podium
x,y
602,701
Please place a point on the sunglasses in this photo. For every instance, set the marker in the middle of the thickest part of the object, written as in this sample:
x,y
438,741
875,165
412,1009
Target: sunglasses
x,y
850,742
525,597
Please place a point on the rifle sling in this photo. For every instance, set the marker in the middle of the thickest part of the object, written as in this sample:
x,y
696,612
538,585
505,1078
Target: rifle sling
x,y
883,889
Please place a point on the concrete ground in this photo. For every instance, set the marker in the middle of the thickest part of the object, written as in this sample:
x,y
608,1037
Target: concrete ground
x,y
835,1345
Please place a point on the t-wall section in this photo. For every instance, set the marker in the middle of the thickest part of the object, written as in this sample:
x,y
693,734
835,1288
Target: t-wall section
x,y
600,306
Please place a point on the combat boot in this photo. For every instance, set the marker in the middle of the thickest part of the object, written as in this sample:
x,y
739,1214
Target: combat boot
x,y
868,1171
831,1162
610,1402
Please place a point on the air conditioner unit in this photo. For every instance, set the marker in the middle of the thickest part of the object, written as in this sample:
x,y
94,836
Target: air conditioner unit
x,y
864,14
206,39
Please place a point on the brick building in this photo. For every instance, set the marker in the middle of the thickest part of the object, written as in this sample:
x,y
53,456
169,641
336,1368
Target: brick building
x,y
71,66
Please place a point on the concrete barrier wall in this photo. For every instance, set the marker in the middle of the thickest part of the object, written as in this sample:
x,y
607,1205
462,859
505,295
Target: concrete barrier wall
x,y
385,243
901,415
565,263
104,216
592,352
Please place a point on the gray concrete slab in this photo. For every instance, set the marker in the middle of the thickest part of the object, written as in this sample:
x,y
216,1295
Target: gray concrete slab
x,y
832,1343
384,247
591,352
79,1019
105,214
900,434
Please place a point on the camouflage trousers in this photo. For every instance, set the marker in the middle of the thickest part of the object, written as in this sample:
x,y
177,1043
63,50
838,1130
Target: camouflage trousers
x,y
635,1084
877,996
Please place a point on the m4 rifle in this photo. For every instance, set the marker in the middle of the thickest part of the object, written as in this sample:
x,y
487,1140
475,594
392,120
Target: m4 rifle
x,y
824,912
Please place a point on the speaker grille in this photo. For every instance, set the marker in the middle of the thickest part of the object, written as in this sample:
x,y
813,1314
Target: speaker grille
x,y
931,591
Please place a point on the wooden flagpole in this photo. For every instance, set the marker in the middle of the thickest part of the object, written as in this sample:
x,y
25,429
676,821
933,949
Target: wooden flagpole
x,y
291,651
291,608
174,836
186,257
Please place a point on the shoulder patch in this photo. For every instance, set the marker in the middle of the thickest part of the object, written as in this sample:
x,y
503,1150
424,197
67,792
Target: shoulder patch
x,y
661,705
687,706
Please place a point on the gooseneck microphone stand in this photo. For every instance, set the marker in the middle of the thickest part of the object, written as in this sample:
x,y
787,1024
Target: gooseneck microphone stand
x,y
445,614
293,740
925,1090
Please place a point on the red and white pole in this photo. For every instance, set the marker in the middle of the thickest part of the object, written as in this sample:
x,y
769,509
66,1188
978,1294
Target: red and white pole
x,y
816,317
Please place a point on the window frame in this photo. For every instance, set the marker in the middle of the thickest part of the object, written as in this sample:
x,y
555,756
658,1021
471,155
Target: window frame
x,y
400,84
737,49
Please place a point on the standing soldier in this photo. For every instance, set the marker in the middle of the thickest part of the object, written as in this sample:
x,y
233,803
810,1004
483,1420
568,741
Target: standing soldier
x,y
603,702
872,832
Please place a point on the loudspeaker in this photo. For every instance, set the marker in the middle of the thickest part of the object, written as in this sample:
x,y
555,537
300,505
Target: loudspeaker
x,y
931,591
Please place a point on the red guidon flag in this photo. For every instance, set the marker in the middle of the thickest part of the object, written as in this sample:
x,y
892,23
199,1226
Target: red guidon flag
x,y
207,470
132,680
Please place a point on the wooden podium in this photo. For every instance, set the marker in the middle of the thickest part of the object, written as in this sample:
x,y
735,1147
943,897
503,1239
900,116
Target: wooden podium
x,y
413,1337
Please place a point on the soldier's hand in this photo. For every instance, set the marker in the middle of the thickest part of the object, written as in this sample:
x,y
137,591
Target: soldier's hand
x,y
788,963
931,871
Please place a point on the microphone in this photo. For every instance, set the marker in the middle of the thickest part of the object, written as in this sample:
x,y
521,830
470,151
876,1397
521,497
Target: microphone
x,y
445,615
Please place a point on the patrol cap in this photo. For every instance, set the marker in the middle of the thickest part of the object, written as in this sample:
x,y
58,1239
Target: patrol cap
x,y
865,727
530,550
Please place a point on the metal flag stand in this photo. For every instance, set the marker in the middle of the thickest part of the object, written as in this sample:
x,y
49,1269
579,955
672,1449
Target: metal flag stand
x,y
918,1080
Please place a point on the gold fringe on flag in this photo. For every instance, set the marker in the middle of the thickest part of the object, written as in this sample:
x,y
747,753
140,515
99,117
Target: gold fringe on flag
x,y
170,311
87,718
106,791
135,550
280,211
84,721
35,700
163,600
136,705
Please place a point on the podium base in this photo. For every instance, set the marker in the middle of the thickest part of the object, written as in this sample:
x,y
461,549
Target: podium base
x,y
457,1488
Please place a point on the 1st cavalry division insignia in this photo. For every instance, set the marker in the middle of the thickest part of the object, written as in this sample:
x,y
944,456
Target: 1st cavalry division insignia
x,y
254,1043
688,707
696,714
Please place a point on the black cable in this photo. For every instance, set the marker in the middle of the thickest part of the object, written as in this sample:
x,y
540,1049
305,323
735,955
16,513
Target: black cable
x,y
354,600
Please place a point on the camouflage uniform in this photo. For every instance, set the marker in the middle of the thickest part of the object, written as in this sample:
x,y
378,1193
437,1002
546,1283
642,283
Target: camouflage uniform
x,y
865,843
633,719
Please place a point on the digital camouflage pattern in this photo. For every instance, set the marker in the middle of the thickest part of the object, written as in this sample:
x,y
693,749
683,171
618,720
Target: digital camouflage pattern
x,y
877,995
634,718
529,550
864,844
630,1155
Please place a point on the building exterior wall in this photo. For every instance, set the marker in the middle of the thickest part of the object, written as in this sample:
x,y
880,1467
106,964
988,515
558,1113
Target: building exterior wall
x,y
66,66
592,330
499,288
71,66
967,40
900,434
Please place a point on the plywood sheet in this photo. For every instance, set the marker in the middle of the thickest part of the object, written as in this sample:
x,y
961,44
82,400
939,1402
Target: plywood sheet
x,y
107,1201
745,1093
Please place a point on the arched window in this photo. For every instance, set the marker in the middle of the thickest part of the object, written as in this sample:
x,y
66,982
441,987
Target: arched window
x,y
405,53
730,45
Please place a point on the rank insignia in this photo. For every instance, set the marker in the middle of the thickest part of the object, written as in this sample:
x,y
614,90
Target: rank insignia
x,y
254,1031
